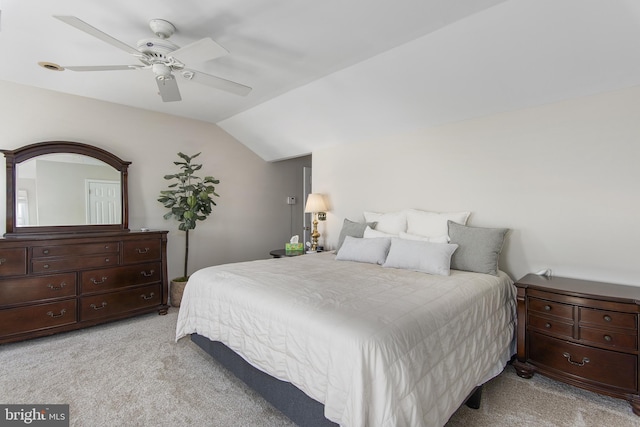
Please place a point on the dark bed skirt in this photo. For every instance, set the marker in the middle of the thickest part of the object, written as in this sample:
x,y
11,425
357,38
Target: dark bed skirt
x,y
289,399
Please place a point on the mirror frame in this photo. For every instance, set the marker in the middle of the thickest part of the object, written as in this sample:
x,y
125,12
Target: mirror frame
x,y
15,157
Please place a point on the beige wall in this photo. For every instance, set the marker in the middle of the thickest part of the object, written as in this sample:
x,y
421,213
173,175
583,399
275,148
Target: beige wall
x,y
564,177
252,216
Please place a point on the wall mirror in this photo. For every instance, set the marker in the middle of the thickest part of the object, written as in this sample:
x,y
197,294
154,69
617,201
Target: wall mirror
x,y
65,187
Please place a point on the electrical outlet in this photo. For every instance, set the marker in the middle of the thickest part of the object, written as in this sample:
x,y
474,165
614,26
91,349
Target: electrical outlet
x,y
291,200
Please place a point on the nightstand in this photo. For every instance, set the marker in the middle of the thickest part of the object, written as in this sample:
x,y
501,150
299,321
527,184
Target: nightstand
x,y
279,253
580,332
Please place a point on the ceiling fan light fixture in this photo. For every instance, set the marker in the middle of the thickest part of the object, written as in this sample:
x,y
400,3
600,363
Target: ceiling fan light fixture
x,y
161,71
51,66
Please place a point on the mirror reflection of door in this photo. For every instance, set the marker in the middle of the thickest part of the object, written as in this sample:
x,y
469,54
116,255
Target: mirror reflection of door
x,y
103,202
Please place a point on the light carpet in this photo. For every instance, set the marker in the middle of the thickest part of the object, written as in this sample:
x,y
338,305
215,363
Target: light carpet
x,y
132,373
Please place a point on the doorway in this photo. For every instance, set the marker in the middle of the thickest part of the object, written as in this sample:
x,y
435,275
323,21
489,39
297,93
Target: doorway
x,y
104,204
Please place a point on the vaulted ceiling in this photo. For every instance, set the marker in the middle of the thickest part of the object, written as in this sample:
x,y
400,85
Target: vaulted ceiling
x,y
333,71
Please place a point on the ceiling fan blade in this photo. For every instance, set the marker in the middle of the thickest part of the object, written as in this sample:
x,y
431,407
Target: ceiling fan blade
x,y
102,67
169,90
83,26
199,51
216,82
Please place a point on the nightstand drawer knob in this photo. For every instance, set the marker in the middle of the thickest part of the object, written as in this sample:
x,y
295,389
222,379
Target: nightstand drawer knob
x,y
608,338
547,325
607,318
547,308
585,360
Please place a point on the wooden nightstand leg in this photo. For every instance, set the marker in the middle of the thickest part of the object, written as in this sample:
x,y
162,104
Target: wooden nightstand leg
x,y
523,369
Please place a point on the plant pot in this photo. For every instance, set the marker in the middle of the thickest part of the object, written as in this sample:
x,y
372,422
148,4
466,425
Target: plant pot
x,y
176,290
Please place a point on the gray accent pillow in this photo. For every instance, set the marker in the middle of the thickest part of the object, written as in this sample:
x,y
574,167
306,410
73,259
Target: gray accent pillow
x,y
373,250
478,248
353,229
416,255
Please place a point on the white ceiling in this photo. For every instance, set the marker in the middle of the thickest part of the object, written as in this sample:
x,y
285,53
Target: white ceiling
x,y
334,71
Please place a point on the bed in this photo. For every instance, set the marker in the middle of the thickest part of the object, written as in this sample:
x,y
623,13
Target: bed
x,y
368,345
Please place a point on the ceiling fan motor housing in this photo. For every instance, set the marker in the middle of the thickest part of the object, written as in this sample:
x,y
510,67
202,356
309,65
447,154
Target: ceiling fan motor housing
x,y
156,47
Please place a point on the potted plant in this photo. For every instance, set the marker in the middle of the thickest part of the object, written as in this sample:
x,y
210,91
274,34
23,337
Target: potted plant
x,y
190,199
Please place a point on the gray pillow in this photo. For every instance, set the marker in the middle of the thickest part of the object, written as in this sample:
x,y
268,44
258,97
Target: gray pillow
x,y
373,250
478,248
353,229
416,255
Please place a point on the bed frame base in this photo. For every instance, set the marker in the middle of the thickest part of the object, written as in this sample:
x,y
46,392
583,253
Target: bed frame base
x,y
286,397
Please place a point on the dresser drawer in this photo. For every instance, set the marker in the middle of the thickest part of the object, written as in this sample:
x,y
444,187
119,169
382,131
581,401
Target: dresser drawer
x,y
37,317
13,262
112,278
551,326
111,304
590,365
551,308
607,338
605,318
47,265
31,289
142,250
75,250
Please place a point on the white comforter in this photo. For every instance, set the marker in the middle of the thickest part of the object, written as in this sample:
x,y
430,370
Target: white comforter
x,y
377,346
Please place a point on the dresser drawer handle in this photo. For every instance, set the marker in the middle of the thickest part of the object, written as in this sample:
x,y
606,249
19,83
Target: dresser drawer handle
x,y
142,251
149,274
547,308
2,260
143,296
95,307
99,282
607,318
585,360
107,260
62,312
547,325
608,338
56,288
45,251
46,266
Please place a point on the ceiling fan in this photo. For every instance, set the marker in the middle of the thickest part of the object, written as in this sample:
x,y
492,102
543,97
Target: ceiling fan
x,y
163,57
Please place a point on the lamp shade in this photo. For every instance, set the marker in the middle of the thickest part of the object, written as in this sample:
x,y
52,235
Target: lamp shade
x,y
315,203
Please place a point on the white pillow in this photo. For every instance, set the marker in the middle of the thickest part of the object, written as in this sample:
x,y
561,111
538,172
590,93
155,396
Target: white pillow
x,y
426,257
437,239
373,250
433,224
371,233
392,223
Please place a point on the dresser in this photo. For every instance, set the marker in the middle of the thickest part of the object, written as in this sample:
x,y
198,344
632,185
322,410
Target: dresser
x,y
584,333
65,282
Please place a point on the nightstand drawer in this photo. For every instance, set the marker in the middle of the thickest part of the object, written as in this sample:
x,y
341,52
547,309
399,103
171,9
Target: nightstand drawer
x,y
608,318
591,365
615,340
551,308
551,326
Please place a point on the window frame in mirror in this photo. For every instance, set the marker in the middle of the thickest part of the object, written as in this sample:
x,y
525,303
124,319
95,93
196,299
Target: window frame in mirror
x,y
15,157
